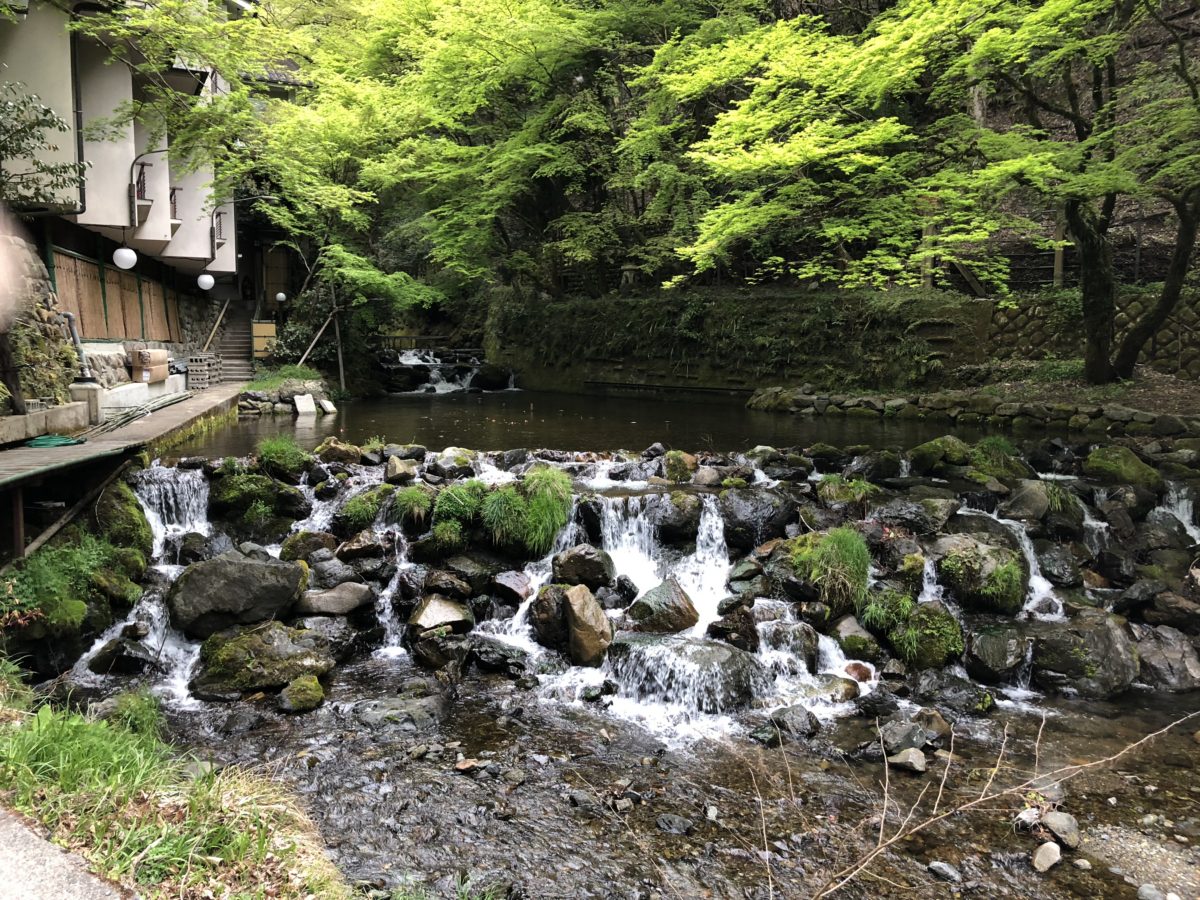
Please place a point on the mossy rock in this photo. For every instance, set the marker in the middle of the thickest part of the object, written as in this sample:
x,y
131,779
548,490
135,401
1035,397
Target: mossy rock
x,y
302,694
298,545
114,587
1120,465
120,520
130,562
946,450
930,638
331,450
981,576
264,657
360,511
233,496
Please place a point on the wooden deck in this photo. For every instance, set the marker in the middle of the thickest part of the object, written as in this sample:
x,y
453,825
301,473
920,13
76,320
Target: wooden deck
x,y
23,464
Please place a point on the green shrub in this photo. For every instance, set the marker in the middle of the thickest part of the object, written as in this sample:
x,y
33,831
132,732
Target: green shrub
x,y
140,712
373,444
836,489
229,466
733,483
1005,587
270,379
50,585
448,536
505,514
412,504
838,563
459,502
548,492
120,519
998,457
1059,498
281,455
885,610
258,513
676,467
361,510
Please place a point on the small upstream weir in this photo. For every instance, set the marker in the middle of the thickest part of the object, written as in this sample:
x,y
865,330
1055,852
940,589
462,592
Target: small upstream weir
x,y
440,371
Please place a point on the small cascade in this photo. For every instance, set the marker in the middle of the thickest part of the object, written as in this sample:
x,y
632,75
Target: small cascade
x,y
629,538
1040,600
1095,532
175,502
931,590
702,574
389,618
905,467
1180,503
424,372
323,511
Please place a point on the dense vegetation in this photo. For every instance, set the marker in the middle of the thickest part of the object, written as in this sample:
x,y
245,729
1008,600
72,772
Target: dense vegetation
x,y
428,151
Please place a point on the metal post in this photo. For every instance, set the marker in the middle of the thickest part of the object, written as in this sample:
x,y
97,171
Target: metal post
x,y
337,330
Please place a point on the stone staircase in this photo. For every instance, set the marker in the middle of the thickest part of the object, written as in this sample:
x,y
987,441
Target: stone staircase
x,y
237,346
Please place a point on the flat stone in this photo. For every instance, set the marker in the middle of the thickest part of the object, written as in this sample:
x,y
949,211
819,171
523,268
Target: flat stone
x,y
1046,856
327,406
1064,827
305,405
945,871
911,760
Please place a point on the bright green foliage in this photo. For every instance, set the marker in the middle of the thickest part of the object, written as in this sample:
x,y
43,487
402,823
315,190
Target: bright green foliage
x,y
374,444
27,132
51,585
140,712
1005,586
448,536
283,457
996,456
412,504
258,513
548,491
676,467
459,502
121,521
505,514
836,489
838,563
885,610
361,510
271,379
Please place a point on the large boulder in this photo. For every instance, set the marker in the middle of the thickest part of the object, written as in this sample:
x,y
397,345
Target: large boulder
x,y
586,565
736,627
547,616
705,676
300,544
1120,465
676,516
511,587
401,471
1058,564
1169,661
453,462
666,609
232,589
1030,500
996,653
799,639
240,497
753,515
120,519
335,601
436,611
589,631
980,576
265,657
931,637
929,457
1093,655
918,516
331,450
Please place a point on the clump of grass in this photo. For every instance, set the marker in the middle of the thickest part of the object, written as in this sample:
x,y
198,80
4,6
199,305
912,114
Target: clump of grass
x,y
730,484
1005,586
675,465
140,712
281,455
116,795
270,379
1059,498
886,610
412,505
229,467
49,585
836,489
361,510
258,513
374,444
505,514
15,694
459,502
448,536
838,563
548,492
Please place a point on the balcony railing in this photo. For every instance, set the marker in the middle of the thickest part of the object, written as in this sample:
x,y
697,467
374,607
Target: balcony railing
x,y
141,181
174,201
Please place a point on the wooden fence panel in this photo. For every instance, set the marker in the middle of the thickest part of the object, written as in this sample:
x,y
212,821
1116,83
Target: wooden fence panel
x,y
91,301
155,304
171,299
66,283
116,303
131,306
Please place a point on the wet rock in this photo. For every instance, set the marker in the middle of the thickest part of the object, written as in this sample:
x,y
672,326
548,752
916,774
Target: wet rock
x,y
798,638
935,724
909,760
406,714
666,609
947,691
995,653
331,572
874,466
451,463
301,695
232,589
918,516
703,675
475,568
1169,661
898,736
1063,826
343,639
335,601
796,722
832,688
491,655
1029,501
856,642
589,631
122,657
938,636
1091,654
193,547
1120,465
301,544
673,824
929,457
254,551
439,648
547,617
754,515
626,589
945,871
676,516
511,587
401,471
1058,564
1046,856
439,582
878,704
737,628
263,657
1175,610
436,611
366,544
586,565
331,450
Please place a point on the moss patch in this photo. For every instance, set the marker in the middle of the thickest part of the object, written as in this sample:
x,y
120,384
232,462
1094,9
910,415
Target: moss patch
x,y
1120,465
120,520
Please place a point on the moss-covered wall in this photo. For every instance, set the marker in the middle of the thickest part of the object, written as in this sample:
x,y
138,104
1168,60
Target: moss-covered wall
x,y
736,338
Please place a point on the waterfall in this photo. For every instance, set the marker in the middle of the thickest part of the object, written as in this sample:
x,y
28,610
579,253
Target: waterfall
x,y
1040,600
930,588
628,536
703,573
444,377
1095,532
1180,504
175,502
393,624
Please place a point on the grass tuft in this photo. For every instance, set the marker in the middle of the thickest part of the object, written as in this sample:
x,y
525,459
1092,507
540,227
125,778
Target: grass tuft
x,y
505,514
838,563
270,379
548,491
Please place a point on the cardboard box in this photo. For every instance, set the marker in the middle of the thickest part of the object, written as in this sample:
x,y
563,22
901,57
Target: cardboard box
x,y
147,358
150,374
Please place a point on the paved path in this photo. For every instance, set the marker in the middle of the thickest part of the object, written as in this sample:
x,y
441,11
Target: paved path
x,y
24,463
32,868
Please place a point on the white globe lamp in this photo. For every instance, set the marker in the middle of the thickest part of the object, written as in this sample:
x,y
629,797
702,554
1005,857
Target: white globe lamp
x,y
124,258
206,282
281,298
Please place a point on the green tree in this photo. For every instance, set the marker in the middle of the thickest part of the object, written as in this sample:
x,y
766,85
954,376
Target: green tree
x,y
27,129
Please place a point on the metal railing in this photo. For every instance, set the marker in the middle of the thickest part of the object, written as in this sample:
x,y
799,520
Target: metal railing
x,y
411,341
141,180
174,201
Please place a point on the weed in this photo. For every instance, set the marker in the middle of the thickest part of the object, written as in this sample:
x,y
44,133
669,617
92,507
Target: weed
x,y
281,455
271,379
50,584
838,563
459,502
505,514
548,491
448,536
258,513
412,504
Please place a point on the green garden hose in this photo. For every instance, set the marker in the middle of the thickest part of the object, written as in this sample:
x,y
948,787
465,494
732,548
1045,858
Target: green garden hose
x,y
54,440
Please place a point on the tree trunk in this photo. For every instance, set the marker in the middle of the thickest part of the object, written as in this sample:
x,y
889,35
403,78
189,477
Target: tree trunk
x,y
1098,290
1154,319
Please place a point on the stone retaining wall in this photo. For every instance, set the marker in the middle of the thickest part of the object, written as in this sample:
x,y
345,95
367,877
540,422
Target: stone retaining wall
x,y
975,410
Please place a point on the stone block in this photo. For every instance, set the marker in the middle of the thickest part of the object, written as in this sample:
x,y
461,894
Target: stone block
x,y
305,405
